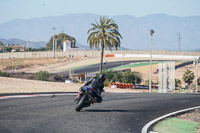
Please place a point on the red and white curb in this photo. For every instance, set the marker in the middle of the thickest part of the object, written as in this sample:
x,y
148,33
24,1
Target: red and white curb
x,y
37,95
145,129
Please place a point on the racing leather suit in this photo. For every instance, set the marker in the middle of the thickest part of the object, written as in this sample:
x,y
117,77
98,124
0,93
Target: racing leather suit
x,y
98,85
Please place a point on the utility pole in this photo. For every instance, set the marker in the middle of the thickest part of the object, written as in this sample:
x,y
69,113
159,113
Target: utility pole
x,y
56,41
150,85
197,76
196,63
122,62
179,41
12,60
53,42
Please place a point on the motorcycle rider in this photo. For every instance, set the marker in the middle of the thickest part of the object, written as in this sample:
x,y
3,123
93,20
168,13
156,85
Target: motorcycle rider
x,y
96,83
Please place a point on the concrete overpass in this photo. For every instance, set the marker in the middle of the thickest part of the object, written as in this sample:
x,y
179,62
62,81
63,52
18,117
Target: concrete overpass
x,y
126,54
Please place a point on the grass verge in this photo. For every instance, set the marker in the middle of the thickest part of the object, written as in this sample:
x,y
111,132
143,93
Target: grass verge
x,y
175,125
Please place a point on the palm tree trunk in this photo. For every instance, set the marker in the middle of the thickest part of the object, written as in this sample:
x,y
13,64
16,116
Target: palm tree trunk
x,y
101,64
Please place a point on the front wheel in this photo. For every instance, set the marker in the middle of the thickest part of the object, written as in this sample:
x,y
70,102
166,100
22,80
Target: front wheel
x,y
81,103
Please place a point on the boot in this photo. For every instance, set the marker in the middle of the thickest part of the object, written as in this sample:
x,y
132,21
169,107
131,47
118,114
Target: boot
x,y
79,95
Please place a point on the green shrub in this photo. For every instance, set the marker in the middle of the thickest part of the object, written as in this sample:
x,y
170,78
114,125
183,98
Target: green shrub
x,y
127,77
147,82
58,78
4,74
106,82
131,77
42,75
109,74
117,77
177,82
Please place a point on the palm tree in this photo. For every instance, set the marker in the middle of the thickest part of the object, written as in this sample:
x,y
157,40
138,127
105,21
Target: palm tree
x,y
104,34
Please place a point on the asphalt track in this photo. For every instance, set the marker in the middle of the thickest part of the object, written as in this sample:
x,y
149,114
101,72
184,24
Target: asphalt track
x,y
118,113
108,65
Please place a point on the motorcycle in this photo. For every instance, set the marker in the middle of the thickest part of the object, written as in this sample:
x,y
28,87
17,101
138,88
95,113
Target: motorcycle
x,y
86,99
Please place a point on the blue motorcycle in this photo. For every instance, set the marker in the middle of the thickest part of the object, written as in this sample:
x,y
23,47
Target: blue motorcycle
x,y
86,98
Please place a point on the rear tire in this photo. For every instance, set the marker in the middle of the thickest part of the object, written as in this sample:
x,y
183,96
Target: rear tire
x,y
81,103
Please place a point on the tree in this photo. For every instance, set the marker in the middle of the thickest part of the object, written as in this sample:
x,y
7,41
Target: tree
x,y
60,38
104,34
7,49
1,43
188,76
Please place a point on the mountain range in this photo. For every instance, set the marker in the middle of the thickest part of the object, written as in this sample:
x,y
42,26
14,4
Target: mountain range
x,y
23,42
134,30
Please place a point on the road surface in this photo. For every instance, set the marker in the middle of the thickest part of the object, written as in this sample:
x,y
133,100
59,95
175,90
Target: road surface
x,y
118,113
108,65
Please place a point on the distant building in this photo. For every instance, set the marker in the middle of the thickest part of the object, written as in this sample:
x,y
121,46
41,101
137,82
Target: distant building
x,y
69,45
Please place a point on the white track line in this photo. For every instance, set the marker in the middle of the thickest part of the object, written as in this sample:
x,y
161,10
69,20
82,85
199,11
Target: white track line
x,y
36,95
146,127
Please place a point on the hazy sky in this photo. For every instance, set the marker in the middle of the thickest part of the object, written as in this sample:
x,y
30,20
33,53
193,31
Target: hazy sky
x,y
25,9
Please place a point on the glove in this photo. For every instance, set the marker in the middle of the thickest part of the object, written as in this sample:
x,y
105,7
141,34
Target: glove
x,y
81,89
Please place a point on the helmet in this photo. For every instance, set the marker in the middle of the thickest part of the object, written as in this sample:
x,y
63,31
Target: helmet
x,y
102,77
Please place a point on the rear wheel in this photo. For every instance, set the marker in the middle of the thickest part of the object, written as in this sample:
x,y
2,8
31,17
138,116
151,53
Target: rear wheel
x,y
81,103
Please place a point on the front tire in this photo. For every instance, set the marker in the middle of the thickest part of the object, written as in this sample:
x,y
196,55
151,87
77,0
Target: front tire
x,y
81,103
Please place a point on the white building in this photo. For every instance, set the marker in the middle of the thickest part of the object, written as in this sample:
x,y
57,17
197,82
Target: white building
x,y
67,45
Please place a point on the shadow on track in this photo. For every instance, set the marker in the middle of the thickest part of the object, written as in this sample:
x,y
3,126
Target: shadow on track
x,y
117,110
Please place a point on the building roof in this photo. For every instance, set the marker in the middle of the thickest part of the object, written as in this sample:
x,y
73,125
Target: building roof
x,y
67,41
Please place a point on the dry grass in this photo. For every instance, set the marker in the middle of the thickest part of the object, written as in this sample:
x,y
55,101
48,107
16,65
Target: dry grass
x,y
24,65
59,64
13,85
144,70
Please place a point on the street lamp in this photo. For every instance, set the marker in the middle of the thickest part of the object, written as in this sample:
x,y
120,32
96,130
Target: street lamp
x,y
196,63
54,41
150,85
